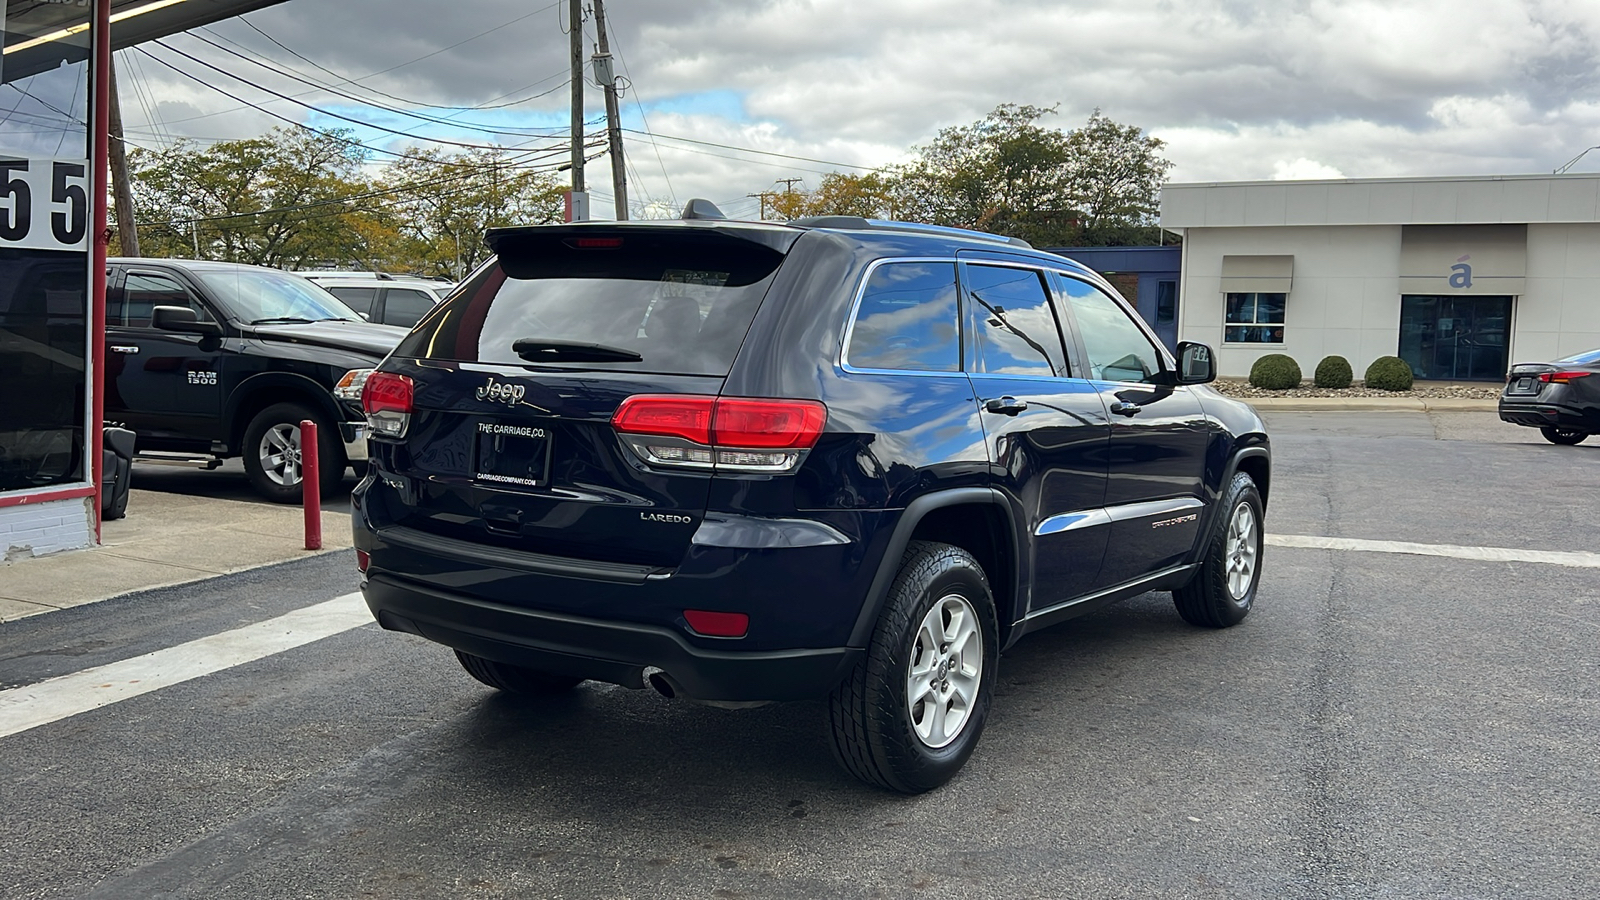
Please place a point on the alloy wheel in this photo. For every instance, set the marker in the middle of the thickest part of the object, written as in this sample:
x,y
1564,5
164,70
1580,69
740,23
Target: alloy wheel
x,y
945,672
279,452
1243,551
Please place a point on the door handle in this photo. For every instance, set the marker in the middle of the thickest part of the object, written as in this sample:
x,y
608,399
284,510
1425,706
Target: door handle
x,y
1008,406
124,348
1124,408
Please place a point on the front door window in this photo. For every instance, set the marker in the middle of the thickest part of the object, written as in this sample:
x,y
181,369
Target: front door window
x,y
1455,338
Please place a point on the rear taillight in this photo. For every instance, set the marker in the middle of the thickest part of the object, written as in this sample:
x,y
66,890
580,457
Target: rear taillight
x,y
1561,377
725,433
386,399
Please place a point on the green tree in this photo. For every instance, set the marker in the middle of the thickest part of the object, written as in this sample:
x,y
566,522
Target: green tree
x,y
840,194
285,198
445,202
1008,174
1114,175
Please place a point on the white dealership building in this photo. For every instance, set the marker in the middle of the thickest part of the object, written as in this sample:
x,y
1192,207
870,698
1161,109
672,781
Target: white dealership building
x,y
1458,276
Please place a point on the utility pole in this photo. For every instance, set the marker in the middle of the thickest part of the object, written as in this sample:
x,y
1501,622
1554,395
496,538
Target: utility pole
x,y
606,74
578,200
127,231
788,191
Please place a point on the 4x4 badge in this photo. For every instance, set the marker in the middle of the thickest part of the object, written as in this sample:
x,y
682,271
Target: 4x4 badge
x,y
508,394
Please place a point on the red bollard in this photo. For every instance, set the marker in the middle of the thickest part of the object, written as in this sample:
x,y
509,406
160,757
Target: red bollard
x,y
310,484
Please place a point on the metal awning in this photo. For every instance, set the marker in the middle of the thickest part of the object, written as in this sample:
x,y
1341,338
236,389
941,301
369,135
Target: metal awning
x,y
1257,274
39,36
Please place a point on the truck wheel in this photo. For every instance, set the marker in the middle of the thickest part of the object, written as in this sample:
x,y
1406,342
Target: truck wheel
x,y
1224,589
1566,437
271,452
912,709
516,679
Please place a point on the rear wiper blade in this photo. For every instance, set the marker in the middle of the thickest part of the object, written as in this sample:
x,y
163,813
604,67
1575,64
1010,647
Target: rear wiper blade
x,y
540,350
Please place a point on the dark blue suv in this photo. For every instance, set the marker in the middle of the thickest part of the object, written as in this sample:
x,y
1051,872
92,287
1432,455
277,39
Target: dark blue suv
x,y
837,458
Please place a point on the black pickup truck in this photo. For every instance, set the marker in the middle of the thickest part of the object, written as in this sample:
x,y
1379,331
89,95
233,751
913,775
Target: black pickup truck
x,y
210,360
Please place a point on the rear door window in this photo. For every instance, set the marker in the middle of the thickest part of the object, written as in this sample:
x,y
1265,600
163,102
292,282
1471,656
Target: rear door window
x,y
1013,328
907,319
682,301
406,307
357,298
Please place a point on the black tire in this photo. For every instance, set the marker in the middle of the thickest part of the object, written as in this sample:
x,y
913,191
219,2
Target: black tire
x,y
874,729
1212,599
284,419
516,679
1566,437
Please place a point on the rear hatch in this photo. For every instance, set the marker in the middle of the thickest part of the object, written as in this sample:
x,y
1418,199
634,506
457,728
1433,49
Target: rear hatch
x,y
517,377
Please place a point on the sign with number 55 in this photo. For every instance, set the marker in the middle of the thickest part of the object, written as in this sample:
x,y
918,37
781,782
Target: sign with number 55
x,y
44,203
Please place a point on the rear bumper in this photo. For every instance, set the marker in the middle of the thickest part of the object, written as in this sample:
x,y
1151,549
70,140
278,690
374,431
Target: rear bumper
x,y
616,652
1548,415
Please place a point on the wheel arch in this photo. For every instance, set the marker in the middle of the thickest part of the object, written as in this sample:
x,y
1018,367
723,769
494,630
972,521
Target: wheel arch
x,y
1255,460
261,391
977,519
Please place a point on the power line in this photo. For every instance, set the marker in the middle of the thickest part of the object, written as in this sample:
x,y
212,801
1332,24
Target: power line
x,y
826,162
380,71
560,147
312,107
345,79
349,96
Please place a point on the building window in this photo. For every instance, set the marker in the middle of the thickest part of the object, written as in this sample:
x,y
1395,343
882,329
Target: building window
x,y
1254,319
1166,302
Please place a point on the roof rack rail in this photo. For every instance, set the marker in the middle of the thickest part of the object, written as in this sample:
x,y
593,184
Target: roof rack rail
x,y
860,223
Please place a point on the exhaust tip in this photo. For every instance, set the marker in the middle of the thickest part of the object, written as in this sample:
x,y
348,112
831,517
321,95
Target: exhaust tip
x,y
659,682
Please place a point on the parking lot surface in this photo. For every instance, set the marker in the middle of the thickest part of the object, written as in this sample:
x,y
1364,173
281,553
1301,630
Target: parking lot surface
x,y
1384,725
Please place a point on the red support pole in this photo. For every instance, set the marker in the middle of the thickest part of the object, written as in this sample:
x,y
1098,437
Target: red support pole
x,y
100,78
311,484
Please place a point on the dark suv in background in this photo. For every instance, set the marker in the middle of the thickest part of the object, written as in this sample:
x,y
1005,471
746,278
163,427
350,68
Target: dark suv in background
x,y
838,458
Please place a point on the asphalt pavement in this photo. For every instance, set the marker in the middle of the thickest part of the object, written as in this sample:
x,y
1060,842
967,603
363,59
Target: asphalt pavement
x,y
1384,725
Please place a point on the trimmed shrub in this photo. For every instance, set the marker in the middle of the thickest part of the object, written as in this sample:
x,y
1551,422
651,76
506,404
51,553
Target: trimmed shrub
x,y
1275,372
1333,372
1389,373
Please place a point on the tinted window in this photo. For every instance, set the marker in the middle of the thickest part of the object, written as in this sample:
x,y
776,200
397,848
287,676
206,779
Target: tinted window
x,y
142,292
1117,348
357,298
405,307
683,302
1583,359
908,319
1013,329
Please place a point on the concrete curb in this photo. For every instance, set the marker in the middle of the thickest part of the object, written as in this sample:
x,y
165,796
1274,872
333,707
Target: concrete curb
x,y
1371,404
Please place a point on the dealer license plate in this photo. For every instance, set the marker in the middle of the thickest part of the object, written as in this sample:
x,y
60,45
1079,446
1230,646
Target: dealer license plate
x,y
512,455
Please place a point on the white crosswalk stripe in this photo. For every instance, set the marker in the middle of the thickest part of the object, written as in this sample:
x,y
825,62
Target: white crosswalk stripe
x,y
58,698
1575,558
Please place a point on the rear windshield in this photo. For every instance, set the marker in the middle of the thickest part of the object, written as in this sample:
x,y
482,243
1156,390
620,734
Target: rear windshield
x,y
683,303
1583,359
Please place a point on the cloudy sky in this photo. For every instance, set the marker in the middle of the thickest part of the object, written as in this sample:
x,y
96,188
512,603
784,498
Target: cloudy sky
x,y
779,89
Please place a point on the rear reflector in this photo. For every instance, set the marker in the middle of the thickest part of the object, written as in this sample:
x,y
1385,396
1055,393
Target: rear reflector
x,y
363,561
386,399
717,624
734,433
1561,377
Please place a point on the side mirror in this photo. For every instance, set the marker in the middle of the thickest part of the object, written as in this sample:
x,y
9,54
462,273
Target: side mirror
x,y
182,319
1196,363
